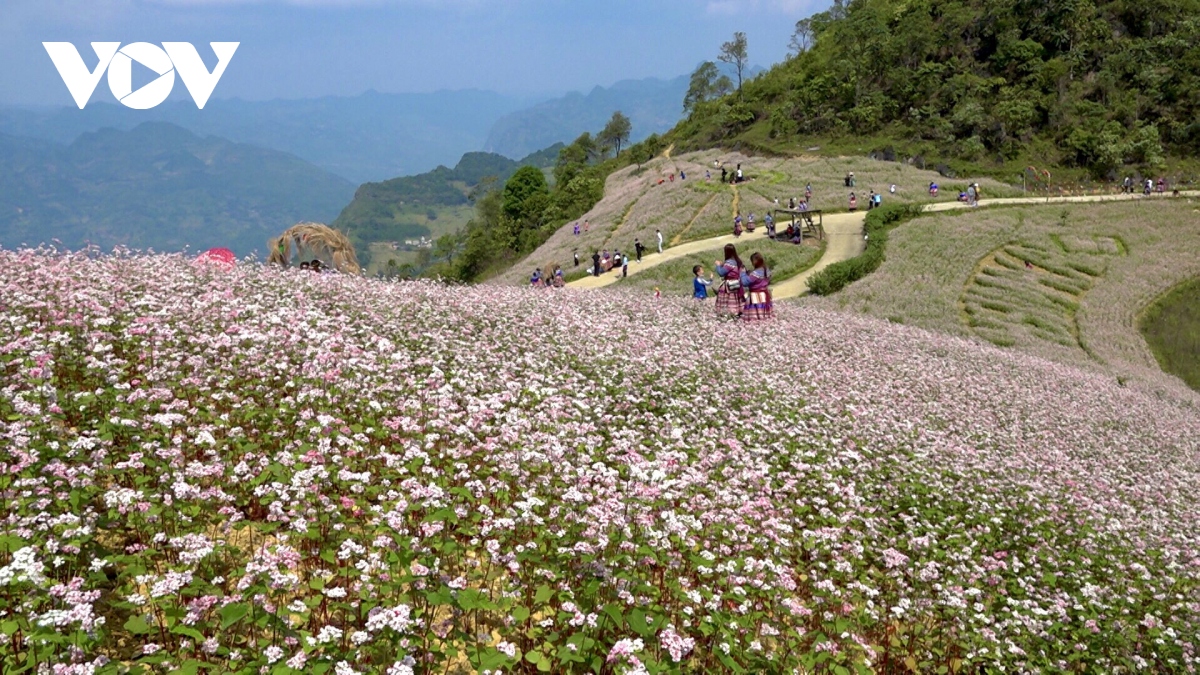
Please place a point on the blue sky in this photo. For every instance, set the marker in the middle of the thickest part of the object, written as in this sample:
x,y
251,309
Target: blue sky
x,y
309,48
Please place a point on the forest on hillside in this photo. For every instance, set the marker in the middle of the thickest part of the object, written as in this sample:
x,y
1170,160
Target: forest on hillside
x,y
1095,84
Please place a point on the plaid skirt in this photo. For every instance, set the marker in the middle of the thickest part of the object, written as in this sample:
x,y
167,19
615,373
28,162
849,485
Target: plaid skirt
x,y
729,301
758,306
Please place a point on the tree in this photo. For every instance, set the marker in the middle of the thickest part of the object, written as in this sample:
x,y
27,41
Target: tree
x,y
802,37
616,132
707,83
734,53
522,192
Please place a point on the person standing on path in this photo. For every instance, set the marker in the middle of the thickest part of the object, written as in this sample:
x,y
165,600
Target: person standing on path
x,y
638,248
624,265
596,264
576,254
971,195
577,228
729,294
853,203
658,233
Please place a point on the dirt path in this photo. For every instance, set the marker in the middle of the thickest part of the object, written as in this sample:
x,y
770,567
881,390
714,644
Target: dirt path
x,y
845,240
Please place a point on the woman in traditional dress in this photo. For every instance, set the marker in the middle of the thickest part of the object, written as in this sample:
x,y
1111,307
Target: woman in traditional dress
x,y
559,282
729,294
758,294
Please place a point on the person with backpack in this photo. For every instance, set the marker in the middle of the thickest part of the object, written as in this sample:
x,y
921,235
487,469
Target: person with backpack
x,y
757,284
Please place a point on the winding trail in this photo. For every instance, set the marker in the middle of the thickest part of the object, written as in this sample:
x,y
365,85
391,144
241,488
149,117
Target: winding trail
x,y
844,234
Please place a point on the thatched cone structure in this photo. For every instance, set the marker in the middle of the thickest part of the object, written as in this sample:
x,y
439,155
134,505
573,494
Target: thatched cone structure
x,y
305,242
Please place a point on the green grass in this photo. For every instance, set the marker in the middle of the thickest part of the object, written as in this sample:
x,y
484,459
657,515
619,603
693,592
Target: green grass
x,y
675,278
1171,326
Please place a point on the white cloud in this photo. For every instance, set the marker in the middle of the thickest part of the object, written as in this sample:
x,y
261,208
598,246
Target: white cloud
x,y
791,8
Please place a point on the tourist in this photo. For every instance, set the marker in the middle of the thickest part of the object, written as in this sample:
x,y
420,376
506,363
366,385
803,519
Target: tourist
x,y
700,284
536,279
933,189
750,222
770,221
707,175
1127,185
638,248
792,203
605,261
1149,186
624,266
758,294
559,281
871,200
737,225
729,293
577,228
808,192
878,199
576,254
971,195
853,202
596,264
1162,186
658,233
804,206
682,175
586,224
892,188
724,175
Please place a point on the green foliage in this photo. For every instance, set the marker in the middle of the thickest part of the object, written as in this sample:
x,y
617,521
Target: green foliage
x,y
1171,326
1099,84
616,132
735,53
878,222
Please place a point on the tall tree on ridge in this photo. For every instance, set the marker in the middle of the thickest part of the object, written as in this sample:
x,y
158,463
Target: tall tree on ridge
x,y
734,52
616,132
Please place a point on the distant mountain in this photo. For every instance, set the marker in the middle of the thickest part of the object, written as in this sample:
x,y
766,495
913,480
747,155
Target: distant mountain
x,y
398,209
362,138
157,186
653,106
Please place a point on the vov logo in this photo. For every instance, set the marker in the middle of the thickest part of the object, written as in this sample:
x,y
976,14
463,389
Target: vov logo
x,y
171,58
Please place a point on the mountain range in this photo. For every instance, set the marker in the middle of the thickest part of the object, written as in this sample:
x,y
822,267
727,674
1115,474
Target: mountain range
x,y
157,186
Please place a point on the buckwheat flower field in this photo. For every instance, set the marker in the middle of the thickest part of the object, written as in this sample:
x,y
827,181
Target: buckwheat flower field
x,y
266,471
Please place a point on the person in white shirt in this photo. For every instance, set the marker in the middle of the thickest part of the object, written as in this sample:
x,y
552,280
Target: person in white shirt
x,y
658,233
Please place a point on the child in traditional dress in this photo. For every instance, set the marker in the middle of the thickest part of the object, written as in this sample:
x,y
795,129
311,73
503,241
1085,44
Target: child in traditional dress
x,y
758,294
729,294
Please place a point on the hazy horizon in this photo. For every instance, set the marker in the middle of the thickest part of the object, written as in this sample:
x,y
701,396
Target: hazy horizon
x,y
301,49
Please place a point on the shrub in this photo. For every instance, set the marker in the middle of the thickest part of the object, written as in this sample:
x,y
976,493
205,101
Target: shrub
x,y
879,221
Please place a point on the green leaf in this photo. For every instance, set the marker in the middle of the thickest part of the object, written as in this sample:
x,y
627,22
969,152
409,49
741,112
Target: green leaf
x,y
543,595
137,625
231,614
520,613
188,631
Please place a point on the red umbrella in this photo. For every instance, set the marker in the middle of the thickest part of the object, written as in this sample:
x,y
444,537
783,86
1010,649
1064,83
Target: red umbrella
x,y
218,255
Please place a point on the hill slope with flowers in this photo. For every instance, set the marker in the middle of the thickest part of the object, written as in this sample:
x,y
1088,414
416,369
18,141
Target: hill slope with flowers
x,y
262,470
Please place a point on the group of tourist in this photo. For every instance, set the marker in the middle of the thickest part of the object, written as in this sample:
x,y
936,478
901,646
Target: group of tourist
x,y
1148,186
741,292
554,280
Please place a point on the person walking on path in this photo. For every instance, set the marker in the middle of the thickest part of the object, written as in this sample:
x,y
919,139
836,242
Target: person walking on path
x,y
577,228
624,265
658,233
853,203
730,298
971,195
638,248
758,294
576,254
878,199
596,264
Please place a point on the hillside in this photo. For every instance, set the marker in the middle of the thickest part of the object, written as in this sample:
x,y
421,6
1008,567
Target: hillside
x,y
157,186
653,106
652,489
1067,283
426,205
362,138
1003,83
635,204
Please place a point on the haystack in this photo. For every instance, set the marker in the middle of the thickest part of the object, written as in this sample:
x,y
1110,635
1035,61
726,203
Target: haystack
x,y
305,242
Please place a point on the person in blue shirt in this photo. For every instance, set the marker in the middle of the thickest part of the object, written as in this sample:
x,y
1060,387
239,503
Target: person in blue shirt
x,y
700,284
